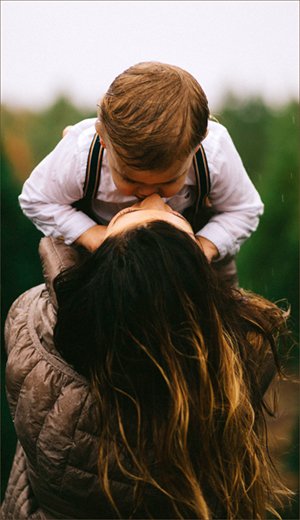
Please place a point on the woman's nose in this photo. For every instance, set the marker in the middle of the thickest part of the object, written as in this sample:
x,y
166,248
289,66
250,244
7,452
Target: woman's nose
x,y
154,201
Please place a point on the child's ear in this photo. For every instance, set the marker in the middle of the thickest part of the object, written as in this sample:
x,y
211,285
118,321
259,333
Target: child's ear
x,y
98,130
197,147
98,126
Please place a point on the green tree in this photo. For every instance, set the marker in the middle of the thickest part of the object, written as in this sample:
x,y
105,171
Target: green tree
x,y
248,121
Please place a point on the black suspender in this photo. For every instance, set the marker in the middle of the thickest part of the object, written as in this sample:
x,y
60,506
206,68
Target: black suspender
x,y
92,179
93,175
202,176
93,169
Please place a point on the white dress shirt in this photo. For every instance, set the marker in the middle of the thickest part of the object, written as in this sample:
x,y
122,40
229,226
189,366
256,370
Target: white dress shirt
x,y
58,180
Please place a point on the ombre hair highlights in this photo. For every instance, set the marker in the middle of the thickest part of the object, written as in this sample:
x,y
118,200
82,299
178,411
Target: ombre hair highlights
x,y
152,114
178,365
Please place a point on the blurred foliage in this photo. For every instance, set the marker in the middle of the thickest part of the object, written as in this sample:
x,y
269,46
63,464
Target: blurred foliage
x,y
268,142
267,139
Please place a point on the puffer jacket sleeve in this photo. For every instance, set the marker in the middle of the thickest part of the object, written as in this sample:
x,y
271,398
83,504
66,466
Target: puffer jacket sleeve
x,y
16,336
15,316
20,502
55,418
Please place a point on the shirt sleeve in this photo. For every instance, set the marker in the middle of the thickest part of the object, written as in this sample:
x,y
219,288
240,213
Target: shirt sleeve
x,y
233,196
53,186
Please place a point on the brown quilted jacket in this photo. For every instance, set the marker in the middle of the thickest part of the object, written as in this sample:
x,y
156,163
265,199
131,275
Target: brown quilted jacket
x,y
54,473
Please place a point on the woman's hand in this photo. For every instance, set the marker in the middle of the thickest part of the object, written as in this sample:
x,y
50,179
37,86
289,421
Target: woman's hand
x,y
208,248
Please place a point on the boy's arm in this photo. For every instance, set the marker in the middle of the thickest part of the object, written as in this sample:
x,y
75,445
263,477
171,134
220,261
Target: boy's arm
x,y
208,248
56,183
92,238
233,197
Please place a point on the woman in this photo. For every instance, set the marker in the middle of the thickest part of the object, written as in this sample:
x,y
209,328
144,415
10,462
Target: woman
x,y
148,401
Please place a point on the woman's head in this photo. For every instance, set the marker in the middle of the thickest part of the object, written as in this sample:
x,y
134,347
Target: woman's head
x,y
172,360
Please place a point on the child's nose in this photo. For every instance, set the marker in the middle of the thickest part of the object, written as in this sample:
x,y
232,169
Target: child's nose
x,y
146,190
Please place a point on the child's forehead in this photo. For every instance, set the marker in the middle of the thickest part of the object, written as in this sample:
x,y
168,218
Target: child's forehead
x,y
172,172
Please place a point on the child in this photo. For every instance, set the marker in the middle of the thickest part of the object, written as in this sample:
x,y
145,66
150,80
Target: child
x,y
153,124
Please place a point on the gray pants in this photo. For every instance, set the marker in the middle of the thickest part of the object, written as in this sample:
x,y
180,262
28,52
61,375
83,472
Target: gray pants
x,y
227,270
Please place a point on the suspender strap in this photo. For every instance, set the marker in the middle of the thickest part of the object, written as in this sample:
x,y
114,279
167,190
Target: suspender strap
x,y
202,177
93,169
198,213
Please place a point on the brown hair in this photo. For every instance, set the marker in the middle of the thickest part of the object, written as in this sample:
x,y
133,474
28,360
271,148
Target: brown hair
x,y
152,113
178,364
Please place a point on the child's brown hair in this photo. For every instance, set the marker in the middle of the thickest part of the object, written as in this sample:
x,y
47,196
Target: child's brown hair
x,y
152,114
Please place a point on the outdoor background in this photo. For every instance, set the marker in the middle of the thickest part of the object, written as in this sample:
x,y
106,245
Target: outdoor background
x,y
58,58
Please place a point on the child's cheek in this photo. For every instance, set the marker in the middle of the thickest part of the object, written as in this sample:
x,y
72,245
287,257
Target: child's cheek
x,y
126,190
123,187
172,189
166,191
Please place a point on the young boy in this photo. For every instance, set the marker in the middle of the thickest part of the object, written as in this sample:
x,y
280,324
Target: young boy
x,y
152,123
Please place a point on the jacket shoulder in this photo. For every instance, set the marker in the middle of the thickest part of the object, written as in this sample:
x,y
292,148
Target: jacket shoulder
x,y
17,315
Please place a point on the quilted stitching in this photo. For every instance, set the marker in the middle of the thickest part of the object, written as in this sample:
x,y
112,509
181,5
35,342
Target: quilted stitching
x,y
19,502
28,361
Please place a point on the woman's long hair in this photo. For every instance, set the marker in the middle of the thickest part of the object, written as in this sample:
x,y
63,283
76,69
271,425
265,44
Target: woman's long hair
x,y
179,365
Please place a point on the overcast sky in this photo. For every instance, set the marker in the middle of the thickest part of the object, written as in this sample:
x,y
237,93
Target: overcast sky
x,y
78,47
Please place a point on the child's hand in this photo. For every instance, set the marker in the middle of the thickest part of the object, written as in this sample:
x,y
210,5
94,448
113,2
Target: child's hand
x,y
209,249
92,238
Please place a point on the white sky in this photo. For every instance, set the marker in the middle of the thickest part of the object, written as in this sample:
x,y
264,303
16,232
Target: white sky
x,y
78,47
